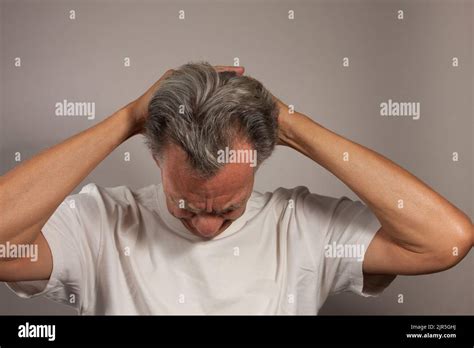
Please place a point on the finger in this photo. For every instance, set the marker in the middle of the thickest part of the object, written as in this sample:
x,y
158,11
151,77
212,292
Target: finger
x,y
238,69
167,74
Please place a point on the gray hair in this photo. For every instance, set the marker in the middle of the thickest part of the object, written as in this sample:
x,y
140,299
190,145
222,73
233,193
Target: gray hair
x,y
204,111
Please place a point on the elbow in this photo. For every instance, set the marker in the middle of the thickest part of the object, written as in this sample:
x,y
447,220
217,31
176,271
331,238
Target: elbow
x,y
459,242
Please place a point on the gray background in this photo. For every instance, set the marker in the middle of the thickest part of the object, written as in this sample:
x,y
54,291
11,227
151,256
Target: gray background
x,y
300,61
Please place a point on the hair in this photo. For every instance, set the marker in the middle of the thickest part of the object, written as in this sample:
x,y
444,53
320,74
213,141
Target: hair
x,y
203,111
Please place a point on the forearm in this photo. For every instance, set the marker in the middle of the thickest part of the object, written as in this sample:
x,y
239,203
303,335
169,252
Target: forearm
x,y
414,215
32,191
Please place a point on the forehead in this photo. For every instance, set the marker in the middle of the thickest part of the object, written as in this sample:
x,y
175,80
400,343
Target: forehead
x,y
233,182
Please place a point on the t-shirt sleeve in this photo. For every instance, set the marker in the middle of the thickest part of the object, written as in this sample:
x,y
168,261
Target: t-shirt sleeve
x,y
338,232
73,233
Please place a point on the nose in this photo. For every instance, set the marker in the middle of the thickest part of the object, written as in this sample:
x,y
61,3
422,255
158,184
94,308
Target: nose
x,y
206,224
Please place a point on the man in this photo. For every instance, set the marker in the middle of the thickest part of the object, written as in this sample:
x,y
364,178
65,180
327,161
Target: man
x,y
203,242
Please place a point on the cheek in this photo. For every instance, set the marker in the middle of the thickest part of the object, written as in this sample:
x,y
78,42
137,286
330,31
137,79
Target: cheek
x,y
235,214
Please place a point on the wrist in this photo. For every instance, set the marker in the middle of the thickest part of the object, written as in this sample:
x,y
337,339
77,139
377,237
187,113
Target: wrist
x,y
298,132
130,126
286,125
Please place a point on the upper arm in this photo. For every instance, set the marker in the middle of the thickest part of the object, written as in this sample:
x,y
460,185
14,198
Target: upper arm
x,y
385,256
25,269
70,236
68,253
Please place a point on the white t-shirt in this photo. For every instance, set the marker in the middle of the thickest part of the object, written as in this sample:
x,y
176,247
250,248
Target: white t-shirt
x,y
118,251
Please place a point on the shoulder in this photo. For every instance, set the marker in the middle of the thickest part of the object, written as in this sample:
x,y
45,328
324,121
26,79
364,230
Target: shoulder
x,y
116,197
303,200
282,194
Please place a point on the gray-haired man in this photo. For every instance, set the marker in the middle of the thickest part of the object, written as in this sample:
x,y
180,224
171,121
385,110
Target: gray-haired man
x,y
203,242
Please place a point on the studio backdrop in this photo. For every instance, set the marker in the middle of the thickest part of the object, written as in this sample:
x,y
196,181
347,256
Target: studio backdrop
x,y
343,63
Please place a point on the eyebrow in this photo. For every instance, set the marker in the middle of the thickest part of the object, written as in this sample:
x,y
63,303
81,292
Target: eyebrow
x,y
223,211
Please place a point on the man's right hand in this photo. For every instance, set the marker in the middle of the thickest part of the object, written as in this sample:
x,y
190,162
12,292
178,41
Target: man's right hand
x,y
138,109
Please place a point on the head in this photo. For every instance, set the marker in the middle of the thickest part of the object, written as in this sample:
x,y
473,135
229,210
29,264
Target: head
x,y
209,132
